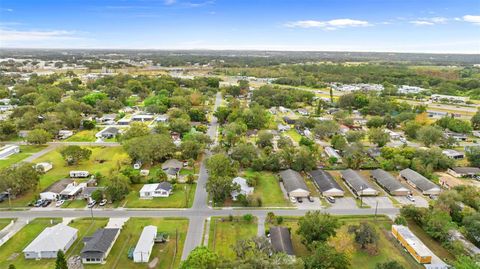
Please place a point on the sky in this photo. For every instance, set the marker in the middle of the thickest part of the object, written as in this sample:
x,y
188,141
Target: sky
x,y
431,26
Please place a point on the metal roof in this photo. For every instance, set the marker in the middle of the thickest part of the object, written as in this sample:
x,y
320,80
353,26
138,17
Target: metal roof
x,y
324,180
356,181
52,239
413,241
466,170
146,240
387,181
281,241
420,181
292,180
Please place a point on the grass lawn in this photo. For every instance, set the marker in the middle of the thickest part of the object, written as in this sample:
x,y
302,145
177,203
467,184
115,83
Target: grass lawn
x,y
294,135
268,188
11,251
4,222
176,200
25,151
83,136
75,203
168,257
224,234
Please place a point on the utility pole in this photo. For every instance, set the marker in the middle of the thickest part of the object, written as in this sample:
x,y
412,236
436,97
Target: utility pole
x,y
9,201
91,212
361,196
376,207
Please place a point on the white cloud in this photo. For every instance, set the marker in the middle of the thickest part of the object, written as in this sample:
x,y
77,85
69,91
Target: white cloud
x,y
7,35
327,25
475,19
169,2
6,9
430,21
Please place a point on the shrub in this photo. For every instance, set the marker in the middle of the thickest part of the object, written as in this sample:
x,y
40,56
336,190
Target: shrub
x,y
248,218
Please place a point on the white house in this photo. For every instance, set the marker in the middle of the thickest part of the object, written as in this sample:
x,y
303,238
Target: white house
x,y
50,241
64,134
76,174
9,150
145,244
44,167
162,189
244,188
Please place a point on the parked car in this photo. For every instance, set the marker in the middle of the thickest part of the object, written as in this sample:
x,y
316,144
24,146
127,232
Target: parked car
x,y
299,199
330,199
38,203
293,200
3,196
433,197
411,198
310,198
103,202
46,203
59,203
92,204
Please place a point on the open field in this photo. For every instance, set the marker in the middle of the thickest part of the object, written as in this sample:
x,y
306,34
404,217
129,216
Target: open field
x,y
180,198
83,136
11,251
268,188
25,151
224,234
168,256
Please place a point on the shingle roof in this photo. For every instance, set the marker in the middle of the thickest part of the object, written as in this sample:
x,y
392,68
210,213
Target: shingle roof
x,y
356,181
420,181
292,180
466,170
100,241
324,180
58,186
281,241
164,185
387,181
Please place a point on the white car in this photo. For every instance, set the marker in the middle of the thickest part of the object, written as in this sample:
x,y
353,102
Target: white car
x,y
411,198
92,204
103,202
293,199
59,203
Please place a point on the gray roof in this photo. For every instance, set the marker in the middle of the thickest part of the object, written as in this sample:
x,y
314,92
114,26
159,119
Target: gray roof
x,y
292,180
355,180
99,242
420,181
466,170
164,185
172,163
52,239
281,241
387,181
111,130
58,186
324,180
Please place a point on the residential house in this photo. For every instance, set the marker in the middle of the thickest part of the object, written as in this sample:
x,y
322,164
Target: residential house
x,y
142,117
464,171
98,246
294,184
51,240
172,167
244,188
79,174
44,167
332,153
8,150
281,240
62,189
389,183
325,182
108,132
405,89
124,121
283,128
145,243
107,119
457,136
357,183
162,118
416,248
64,134
162,189
449,98
289,120
420,182
453,154
436,114
455,235
476,133
303,111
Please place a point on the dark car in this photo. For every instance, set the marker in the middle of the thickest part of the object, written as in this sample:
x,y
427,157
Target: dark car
x,y
46,203
3,196
330,199
299,199
38,203
310,199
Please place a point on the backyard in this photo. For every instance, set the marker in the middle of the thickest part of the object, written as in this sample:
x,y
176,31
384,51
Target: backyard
x,y
224,233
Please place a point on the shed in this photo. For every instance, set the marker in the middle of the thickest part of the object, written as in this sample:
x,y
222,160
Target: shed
x,y
50,241
326,183
145,244
389,183
357,183
281,240
420,182
294,183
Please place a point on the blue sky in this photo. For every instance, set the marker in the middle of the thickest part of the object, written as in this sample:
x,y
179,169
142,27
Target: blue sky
x,y
444,26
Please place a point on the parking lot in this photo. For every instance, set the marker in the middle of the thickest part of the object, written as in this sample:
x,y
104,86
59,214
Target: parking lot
x,y
419,201
344,203
306,204
383,202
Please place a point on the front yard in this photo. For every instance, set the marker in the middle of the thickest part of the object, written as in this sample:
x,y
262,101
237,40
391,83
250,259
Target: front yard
x,y
25,151
268,189
182,197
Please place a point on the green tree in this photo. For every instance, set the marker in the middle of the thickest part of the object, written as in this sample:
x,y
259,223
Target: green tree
x,y
317,227
264,139
472,227
473,156
375,122
117,187
19,178
429,135
201,258
303,160
378,136
11,266
389,265
475,120
180,125
365,234
326,128
354,136
466,262
73,154
339,142
220,188
61,262
220,165
150,148
325,256
190,149
38,136
137,129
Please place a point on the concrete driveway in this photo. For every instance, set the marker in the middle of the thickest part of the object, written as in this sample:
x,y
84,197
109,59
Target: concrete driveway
x,y
344,203
307,205
383,202
419,201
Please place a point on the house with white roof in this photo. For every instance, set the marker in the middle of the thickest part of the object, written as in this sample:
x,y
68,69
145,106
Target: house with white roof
x,y
244,188
9,150
50,241
162,189
145,243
